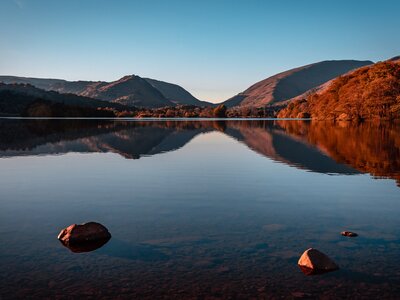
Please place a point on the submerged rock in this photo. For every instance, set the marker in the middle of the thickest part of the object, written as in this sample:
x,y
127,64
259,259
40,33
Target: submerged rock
x,y
314,262
349,234
85,237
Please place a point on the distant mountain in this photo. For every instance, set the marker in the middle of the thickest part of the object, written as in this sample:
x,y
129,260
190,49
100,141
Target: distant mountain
x,y
16,99
396,59
371,92
57,85
176,93
289,84
130,90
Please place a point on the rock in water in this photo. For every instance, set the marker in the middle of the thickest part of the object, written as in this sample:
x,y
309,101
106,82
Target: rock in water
x,y
349,234
315,262
85,237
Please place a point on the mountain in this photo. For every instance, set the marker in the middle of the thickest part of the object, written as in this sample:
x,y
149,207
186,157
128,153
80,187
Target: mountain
x,y
319,89
16,99
289,84
176,93
371,92
396,59
130,90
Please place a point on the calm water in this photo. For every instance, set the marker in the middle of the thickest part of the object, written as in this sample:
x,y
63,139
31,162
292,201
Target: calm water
x,y
199,210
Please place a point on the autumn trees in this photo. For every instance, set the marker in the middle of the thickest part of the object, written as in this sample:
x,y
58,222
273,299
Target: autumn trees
x,y
220,111
371,92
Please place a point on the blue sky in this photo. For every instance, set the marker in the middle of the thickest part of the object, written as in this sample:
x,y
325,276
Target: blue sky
x,y
215,49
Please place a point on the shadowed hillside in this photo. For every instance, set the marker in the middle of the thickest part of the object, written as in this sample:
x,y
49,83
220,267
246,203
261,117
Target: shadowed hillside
x,y
29,101
57,85
176,94
130,90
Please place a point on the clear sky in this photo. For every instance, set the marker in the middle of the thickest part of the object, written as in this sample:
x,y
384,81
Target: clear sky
x,y
214,49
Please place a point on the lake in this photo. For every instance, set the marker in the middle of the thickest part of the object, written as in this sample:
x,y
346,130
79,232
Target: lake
x,y
205,209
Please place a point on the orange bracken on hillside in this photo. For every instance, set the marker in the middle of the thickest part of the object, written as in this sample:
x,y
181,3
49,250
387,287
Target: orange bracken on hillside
x,y
371,92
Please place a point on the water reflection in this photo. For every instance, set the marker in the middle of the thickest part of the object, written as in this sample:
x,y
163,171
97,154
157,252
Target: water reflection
x,y
341,148
121,249
88,246
226,215
367,147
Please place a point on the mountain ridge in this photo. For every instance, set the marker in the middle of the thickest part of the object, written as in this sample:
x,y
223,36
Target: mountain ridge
x,y
291,83
275,91
176,93
129,90
28,100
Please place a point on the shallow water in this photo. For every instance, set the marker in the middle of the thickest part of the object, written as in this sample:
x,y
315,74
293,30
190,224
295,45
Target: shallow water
x,y
199,209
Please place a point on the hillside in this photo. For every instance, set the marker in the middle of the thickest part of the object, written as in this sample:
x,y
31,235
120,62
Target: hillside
x,y
176,93
57,85
130,90
372,92
395,59
292,83
16,99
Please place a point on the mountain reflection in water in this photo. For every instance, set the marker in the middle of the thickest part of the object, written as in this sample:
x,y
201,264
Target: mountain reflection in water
x,y
341,148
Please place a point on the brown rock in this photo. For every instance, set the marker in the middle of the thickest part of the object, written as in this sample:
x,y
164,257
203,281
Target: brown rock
x,y
315,262
300,295
349,234
85,237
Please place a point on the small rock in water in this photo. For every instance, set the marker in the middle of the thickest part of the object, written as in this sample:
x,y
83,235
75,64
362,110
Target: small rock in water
x,y
300,295
314,262
85,237
349,234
